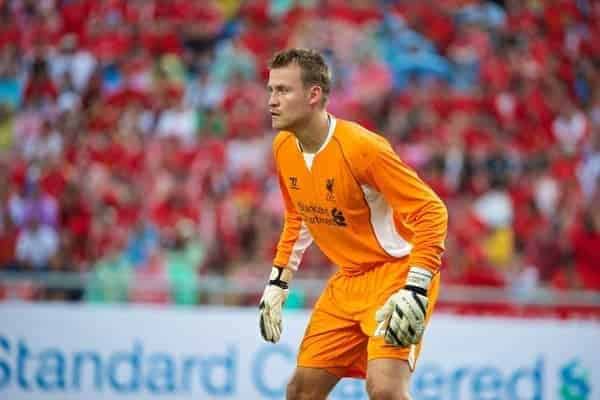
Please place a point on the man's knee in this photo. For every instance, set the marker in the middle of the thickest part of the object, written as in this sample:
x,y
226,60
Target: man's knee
x,y
386,392
294,389
299,389
310,385
388,379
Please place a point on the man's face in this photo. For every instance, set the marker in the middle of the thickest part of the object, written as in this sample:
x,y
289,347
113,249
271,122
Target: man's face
x,y
289,100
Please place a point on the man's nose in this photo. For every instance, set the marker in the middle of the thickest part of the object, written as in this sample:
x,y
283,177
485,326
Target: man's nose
x,y
273,101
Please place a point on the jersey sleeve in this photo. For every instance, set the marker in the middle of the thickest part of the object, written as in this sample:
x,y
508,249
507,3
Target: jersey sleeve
x,y
295,236
418,205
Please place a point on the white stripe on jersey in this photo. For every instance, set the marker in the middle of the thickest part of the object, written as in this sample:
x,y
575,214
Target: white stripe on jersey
x,y
382,220
304,240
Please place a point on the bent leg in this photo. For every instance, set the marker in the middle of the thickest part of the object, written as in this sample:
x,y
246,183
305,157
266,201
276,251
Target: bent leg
x,y
388,379
310,384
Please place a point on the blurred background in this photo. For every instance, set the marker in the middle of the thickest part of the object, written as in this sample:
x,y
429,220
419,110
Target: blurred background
x,y
139,208
135,146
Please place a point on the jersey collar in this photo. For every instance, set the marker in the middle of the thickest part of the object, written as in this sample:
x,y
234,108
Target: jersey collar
x,y
332,123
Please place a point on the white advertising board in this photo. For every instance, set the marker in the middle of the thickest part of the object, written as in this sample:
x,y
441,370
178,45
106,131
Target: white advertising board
x,y
64,352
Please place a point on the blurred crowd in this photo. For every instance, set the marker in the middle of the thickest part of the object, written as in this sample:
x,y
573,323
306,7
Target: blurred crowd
x,y
135,143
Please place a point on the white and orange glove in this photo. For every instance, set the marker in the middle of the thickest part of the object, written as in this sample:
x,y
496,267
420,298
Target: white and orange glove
x,y
271,303
401,320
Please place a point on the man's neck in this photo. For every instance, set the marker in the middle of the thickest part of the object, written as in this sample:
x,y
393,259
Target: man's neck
x,y
314,133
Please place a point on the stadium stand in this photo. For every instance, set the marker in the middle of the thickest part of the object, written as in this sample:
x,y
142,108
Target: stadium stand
x,y
135,144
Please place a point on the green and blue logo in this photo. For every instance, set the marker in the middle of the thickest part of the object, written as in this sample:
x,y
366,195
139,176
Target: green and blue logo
x,y
574,382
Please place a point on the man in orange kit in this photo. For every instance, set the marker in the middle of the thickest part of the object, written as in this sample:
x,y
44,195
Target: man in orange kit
x,y
345,189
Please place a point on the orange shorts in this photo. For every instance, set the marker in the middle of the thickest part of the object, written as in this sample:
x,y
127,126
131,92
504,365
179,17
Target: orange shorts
x,y
339,336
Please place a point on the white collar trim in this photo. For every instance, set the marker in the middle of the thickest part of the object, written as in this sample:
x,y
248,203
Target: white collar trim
x,y
332,123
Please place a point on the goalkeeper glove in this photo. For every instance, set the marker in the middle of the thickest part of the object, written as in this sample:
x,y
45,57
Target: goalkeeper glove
x,y
271,303
402,318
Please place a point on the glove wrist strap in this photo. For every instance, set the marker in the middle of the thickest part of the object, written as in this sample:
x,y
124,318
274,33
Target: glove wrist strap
x,y
416,289
280,277
418,280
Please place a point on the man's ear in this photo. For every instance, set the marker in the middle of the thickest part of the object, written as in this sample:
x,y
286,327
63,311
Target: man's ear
x,y
315,95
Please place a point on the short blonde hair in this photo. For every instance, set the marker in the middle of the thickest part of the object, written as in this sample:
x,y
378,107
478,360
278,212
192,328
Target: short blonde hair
x,y
314,70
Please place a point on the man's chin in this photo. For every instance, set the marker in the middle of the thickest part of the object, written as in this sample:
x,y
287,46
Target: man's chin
x,y
278,125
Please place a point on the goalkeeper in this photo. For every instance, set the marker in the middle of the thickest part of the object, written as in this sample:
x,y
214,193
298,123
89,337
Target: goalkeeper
x,y
345,189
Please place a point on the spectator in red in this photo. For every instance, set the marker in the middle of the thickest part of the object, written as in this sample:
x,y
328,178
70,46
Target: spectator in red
x,y
40,87
75,219
8,239
586,244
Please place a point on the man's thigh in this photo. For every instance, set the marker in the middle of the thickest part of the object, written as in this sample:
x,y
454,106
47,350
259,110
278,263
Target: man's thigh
x,y
334,341
310,383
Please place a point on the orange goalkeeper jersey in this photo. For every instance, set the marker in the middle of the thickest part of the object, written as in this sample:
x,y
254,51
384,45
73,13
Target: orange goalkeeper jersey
x,y
357,201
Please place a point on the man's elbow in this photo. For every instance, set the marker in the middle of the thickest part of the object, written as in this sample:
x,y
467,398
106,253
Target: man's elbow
x,y
443,215
439,213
